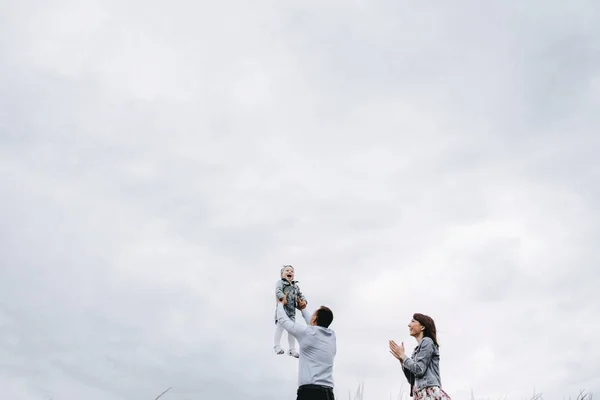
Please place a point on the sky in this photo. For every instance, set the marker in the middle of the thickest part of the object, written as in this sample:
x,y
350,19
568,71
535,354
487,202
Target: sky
x,y
160,162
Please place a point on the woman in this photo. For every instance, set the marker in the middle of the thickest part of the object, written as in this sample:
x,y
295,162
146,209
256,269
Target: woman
x,y
422,369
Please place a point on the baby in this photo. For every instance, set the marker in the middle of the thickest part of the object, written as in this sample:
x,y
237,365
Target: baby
x,y
287,289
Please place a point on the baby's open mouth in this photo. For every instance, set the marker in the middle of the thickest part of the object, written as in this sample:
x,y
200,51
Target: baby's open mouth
x,y
289,276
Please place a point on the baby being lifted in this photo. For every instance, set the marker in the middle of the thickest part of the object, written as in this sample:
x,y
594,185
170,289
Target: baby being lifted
x,y
287,288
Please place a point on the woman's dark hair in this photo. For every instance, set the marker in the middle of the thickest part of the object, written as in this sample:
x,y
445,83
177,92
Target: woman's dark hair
x,y
429,326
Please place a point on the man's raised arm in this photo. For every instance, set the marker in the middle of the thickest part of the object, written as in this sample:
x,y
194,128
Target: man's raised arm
x,y
306,315
286,323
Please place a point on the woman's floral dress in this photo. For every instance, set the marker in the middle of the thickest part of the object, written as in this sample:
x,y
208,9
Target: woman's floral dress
x,y
430,393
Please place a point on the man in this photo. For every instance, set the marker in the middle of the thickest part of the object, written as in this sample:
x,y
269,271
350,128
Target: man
x,y
317,350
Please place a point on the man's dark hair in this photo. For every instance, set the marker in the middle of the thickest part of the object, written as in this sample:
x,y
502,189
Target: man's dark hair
x,y
324,317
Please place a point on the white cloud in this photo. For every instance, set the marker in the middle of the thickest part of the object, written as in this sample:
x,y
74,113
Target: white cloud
x,y
159,163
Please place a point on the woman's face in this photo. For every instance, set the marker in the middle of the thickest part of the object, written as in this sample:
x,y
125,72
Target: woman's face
x,y
415,327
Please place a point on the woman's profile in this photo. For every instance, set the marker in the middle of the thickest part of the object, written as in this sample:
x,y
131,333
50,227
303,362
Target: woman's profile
x,y
422,368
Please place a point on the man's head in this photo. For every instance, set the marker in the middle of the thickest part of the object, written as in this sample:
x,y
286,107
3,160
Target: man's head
x,y
287,272
322,317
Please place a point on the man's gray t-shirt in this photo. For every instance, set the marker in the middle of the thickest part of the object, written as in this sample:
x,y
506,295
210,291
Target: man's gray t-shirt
x,y
317,349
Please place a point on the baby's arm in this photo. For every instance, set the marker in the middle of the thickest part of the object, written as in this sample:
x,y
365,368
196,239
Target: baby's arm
x,y
279,290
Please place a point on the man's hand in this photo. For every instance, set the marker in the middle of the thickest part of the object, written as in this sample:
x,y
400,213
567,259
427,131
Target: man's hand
x,y
301,305
397,351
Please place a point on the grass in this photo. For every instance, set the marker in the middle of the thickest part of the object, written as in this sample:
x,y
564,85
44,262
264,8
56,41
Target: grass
x,y
359,395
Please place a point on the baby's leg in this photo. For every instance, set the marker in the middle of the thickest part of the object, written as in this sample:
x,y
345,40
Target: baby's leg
x,y
291,341
292,349
277,341
278,334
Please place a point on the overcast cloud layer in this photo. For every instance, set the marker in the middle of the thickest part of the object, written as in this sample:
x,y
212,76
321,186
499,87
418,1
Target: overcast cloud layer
x,y
159,162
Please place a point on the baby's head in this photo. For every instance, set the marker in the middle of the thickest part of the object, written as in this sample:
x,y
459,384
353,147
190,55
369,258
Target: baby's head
x,y
287,272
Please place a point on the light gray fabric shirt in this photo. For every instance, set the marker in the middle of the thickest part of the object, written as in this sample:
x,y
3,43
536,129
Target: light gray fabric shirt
x,y
317,349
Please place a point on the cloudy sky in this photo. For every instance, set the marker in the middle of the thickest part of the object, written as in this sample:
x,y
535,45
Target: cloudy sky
x,y
160,161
